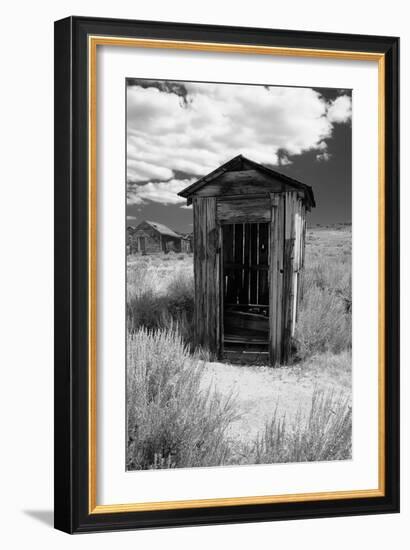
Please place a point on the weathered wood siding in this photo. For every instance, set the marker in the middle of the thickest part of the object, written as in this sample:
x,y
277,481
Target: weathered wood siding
x,y
287,255
242,182
152,240
292,265
243,210
145,239
207,274
288,274
276,275
300,230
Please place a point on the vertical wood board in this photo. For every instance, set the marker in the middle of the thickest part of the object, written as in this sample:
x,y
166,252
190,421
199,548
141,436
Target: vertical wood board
x,y
291,201
207,273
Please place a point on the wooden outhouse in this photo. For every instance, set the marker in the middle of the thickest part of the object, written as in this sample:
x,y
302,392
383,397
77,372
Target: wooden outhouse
x,y
249,240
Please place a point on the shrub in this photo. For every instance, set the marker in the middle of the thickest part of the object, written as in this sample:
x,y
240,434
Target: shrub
x,y
344,291
180,296
324,316
146,310
331,274
325,433
174,306
323,324
172,421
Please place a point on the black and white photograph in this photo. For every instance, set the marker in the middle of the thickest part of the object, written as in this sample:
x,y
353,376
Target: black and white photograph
x,y
239,298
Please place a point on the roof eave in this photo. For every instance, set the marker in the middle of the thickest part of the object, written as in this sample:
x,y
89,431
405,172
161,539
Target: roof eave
x,y
190,190
185,193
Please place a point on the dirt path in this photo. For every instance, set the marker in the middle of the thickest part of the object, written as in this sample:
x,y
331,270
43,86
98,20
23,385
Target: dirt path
x,y
259,390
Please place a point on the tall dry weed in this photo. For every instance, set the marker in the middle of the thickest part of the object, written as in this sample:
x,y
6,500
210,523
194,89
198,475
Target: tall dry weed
x,y
325,433
323,324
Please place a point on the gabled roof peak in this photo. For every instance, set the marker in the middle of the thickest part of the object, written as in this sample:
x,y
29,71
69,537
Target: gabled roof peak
x,y
241,163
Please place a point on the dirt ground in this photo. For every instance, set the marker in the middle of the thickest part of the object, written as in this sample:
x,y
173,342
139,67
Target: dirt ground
x,y
258,390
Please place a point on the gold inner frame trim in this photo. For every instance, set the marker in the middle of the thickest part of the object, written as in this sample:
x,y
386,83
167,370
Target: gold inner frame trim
x,y
93,42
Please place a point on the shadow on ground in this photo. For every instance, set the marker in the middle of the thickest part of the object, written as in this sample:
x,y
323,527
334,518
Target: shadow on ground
x,y
43,516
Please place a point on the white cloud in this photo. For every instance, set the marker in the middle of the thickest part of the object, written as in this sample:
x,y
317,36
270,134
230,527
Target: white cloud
x,y
323,156
143,171
284,160
129,218
216,123
340,109
165,192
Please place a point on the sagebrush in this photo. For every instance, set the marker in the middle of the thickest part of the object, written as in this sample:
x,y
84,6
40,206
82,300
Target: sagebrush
x,y
158,298
172,421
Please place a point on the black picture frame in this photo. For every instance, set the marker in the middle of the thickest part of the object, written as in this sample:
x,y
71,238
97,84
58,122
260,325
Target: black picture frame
x,y
71,387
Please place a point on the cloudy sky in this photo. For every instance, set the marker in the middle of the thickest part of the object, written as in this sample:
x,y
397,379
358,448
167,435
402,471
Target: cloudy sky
x,y
180,131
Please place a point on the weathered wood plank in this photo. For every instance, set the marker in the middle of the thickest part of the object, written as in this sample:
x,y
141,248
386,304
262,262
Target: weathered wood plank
x,y
280,243
207,274
243,210
252,322
287,306
273,279
297,263
242,182
289,275
212,274
275,276
220,324
197,272
302,253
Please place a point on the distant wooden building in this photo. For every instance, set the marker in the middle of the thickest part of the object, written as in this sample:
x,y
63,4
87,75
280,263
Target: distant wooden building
x,y
151,237
249,241
130,239
189,242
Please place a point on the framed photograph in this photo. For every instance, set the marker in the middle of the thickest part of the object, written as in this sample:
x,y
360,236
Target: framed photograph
x,y
226,274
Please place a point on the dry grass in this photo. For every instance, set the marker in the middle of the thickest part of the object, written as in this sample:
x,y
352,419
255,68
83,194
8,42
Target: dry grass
x,y
324,316
328,370
155,272
160,294
325,433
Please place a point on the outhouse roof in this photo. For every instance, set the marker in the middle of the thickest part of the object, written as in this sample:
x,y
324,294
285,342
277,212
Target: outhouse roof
x,y
259,176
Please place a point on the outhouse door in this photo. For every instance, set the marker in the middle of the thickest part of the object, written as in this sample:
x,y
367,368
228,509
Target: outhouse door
x,y
245,282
